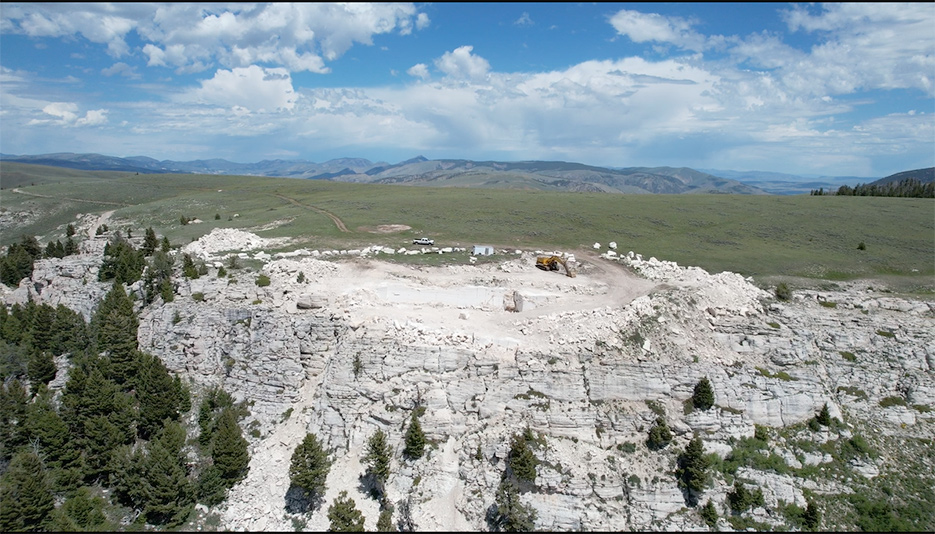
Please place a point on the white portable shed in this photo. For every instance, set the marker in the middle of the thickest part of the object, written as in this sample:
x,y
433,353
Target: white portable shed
x,y
482,250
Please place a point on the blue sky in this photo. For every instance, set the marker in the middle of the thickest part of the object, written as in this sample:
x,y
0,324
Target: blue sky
x,y
834,89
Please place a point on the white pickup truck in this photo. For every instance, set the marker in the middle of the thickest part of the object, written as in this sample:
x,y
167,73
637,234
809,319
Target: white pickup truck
x,y
423,241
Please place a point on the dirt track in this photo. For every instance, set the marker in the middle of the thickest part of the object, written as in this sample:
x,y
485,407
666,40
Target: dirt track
x,y
337,221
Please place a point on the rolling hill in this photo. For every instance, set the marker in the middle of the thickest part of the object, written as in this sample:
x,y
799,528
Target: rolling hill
x,y
532,175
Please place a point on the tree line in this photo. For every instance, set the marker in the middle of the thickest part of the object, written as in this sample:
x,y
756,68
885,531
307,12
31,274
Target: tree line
x,y
113,440
909,187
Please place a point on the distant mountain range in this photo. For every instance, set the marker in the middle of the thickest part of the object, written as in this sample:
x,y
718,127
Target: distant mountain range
x,y
539,175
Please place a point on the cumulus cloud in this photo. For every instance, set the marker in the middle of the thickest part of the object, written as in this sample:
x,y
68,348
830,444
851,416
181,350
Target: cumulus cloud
x,y
252,88
418,70
524,20
461,63
643,27
860,48
192,37
67,114
122,69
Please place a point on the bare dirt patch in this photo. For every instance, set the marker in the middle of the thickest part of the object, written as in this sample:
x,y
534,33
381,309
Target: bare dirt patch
x,y
385,228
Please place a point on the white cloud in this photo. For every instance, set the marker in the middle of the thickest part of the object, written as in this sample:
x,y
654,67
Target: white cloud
x,y
67,114
253,88
865,46
418,70
524,20
461,63
192,37
422,21
643,27
93,118
122,69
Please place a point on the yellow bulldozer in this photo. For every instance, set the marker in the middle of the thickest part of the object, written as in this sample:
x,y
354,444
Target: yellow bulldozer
x,y
551,263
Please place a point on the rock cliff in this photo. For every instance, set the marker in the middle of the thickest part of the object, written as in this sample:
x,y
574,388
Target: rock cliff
x,y
588,364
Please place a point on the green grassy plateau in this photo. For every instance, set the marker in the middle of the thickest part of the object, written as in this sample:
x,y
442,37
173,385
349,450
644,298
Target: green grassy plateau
x,y
803,236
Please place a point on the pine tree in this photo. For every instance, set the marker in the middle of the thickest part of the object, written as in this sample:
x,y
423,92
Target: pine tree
x,y
344,515
164,245
415,439
309,468
128,470
385,521
168,494
521,460
41,368
25,498
378,462
150,242
709,514
659,435
115,326
229,448
40,327
70,230
70,332
692,470
511,514
71,247
85,511
812,516
158,395
13,421
824,416
48,431
703,396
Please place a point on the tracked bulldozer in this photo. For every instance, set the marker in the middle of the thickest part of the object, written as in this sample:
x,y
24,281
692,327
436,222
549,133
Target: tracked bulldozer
x,y
551,263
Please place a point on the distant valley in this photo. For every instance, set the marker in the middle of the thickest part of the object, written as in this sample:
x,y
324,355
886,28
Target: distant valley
x,y
528,175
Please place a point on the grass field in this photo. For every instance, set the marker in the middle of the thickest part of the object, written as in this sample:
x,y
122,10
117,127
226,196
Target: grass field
x,y
813,237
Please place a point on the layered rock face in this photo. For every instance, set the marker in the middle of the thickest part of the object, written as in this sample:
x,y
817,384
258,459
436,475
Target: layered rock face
x,y
588,363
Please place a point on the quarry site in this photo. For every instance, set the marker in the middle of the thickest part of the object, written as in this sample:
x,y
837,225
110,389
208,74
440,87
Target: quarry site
x,y
342,343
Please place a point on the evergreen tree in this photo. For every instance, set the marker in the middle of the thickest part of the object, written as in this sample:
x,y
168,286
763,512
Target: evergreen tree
x,y
164,245
812,516
122,263
229,448
167,492
824,416
188,267
41,319
41,368
158,393
521,460
150,242
709,514
703,396
211,488
378,462
158,276
115,326
385,521
85,511
48,431
344,515
309,468
71,247
510,514
659,435
70,332
13,423
70,230
692,470
25,498
415,439
128,470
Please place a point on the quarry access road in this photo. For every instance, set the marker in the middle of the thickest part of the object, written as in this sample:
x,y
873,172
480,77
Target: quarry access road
x,y
337,220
